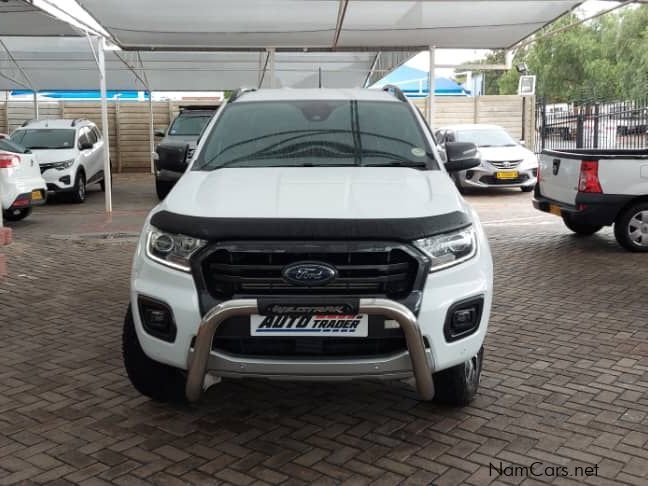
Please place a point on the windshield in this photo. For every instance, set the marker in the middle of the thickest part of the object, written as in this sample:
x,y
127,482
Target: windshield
x,y
486,137
11,146
315,134
189,125
45,138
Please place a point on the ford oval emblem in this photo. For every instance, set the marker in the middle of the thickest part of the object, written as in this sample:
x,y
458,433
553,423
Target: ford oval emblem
x,y
309,274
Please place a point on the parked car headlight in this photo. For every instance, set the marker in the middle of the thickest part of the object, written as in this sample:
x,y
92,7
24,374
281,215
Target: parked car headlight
x,y
449,249
172,250
65,164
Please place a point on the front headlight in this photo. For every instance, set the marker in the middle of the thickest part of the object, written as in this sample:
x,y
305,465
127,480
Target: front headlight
x,y
65,164
172,250
449,249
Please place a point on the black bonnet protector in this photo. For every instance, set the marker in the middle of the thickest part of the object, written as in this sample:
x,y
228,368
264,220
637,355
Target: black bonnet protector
x,y
219,229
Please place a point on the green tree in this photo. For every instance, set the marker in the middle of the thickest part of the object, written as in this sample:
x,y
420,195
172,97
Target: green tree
x,y
606,58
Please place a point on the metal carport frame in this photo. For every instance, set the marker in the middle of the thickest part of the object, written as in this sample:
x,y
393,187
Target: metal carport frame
x,y
376,27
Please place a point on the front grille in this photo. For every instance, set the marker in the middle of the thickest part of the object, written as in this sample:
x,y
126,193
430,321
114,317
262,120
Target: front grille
x,y
505,164
46,166
494,181
233,336
374,271
301,347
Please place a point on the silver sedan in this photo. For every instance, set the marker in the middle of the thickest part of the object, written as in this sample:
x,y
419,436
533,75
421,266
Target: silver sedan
x,y
505,162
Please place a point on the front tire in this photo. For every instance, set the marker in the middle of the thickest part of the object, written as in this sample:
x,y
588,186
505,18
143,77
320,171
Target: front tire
x,y
163,188
457,386
78,194
160,382
631,228
527,188
16,214
579,228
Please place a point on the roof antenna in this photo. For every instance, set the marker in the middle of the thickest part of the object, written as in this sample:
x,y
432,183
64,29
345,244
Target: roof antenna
x,y
320,77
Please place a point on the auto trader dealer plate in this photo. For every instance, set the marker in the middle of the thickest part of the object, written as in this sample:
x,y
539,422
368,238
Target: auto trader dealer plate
x,y
322,325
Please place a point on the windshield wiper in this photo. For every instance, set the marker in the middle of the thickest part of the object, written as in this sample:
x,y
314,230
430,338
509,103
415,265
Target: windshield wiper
x,y
398,163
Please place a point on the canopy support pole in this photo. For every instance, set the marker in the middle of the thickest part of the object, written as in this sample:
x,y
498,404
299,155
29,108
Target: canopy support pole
x,y
373,67
101,63
271,67
431,87
36,114
151,134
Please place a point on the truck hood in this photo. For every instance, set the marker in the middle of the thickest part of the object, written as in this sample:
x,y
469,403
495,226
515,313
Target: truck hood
x,y
58,155
499,154
189,139
314,192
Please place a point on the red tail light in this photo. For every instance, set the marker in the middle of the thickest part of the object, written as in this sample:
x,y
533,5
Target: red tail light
x,y
9,160
589,179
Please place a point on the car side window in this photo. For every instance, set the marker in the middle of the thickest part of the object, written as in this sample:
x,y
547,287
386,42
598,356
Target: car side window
x,y
92,137
83,136
449,136
96,132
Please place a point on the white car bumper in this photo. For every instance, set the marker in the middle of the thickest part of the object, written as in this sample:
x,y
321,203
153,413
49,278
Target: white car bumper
x,y
486,176
21,191
443,289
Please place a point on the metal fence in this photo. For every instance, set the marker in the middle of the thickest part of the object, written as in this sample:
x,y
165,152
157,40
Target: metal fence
x,y
592,125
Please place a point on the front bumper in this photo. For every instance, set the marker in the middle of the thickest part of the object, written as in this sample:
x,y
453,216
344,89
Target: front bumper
x,y
20,194
483,176
590,209
424,332
59,180
198,360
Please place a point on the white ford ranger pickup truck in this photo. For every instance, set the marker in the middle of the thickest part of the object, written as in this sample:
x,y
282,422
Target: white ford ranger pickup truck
x,y
315,235
590,189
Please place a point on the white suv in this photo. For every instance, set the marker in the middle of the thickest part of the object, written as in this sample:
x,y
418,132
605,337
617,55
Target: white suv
x,y
70,153
315,235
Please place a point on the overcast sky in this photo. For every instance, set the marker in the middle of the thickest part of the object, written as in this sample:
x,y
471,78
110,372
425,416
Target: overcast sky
x,y
458,56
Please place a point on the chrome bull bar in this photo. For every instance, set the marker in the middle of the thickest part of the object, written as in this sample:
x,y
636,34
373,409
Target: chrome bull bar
x,y
237,307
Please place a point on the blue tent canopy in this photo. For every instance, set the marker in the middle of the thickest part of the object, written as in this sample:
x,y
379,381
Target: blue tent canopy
x,y
414,83
83,95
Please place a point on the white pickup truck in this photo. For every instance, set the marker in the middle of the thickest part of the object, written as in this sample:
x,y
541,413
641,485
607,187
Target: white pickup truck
x,y
591,189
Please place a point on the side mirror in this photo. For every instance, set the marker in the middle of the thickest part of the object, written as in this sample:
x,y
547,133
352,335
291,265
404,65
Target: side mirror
x,y
461,156
172,157
158,132
85,146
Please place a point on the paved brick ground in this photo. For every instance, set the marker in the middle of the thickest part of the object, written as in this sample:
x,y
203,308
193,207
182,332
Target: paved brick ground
x,y
565,380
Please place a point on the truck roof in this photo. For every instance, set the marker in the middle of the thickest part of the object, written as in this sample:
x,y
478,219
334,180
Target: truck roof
x,y
470,126
288,94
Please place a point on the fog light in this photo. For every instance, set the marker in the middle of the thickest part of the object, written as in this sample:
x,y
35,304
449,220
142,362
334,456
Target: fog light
x,y
64,179
463,319
157,319
470,174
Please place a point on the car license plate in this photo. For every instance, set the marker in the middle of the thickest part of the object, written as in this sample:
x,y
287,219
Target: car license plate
x,y
507,174
36,196
553,209
353,325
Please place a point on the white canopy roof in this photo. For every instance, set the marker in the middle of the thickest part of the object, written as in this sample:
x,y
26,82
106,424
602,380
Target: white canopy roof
x,y
322,24
19,18
220,44
67,63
